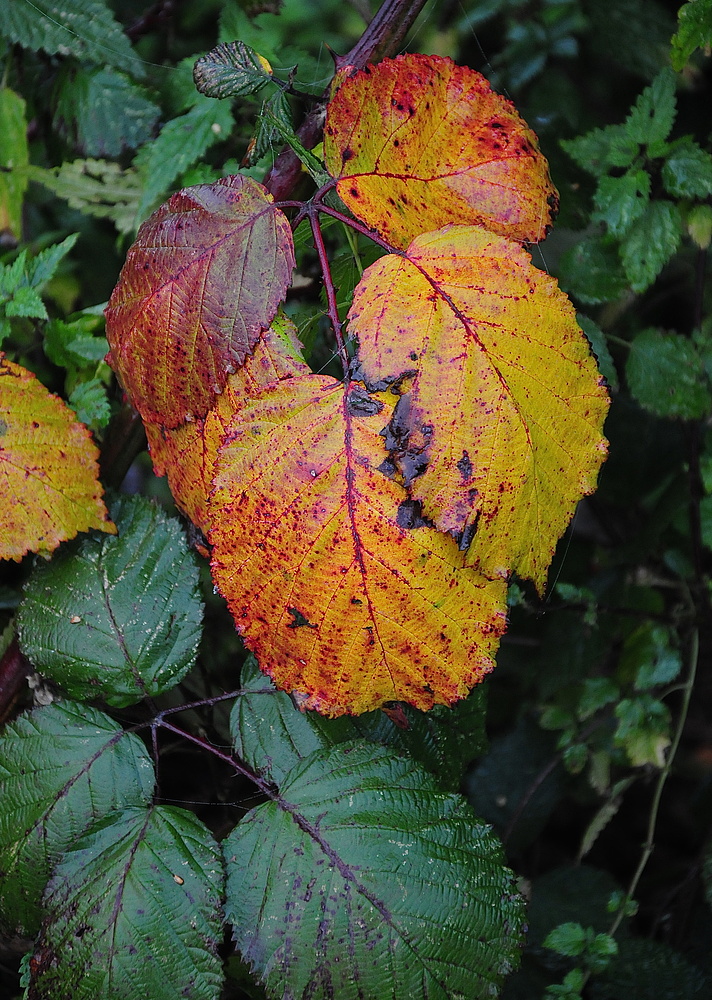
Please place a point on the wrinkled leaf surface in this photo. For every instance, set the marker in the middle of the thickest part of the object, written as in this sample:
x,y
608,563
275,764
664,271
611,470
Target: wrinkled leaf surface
x,y
63,767
117,618
133,911
389,886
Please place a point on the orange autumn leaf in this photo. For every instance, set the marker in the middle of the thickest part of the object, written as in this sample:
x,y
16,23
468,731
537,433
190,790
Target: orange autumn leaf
x,y
49,489
498,432
203,279
346,596
418,142
186,454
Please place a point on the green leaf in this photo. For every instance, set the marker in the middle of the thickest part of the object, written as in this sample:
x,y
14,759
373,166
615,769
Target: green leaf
x,y
592,271
390,887
14,157
653,114
666,375
42,268
96,187
272,736
597,339
62,768
568,939
651,970
687,171
133,911
650,243
694,31
649,657
102,112
90,402
180,143
602,148
120,621
231,69
26,301
619,201
86,29
267,133
71,344
643,730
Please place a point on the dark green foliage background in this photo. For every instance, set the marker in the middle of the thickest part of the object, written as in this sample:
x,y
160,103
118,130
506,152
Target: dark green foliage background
x,y
591,682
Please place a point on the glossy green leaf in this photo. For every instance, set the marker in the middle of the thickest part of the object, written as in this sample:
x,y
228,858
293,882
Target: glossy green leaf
x,y
363,881
63,767
14,157
650,243
694,31
86,29
133,911
653,114
666,375
273,736
619,201
102,112
687,171
231,69
118,621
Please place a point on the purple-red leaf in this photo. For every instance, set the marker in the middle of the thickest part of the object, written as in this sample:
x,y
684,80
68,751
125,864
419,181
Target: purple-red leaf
x,y
203,279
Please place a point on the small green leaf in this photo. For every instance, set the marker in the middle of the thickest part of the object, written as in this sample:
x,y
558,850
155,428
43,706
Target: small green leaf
x,y
602,148
699,225
62,768
267,133
133,911
687,171
90,402
180,143
649,657
26,301
273,736
86,29
592,271
666,375
619,201
643,730
654,112
71,343
568,939
694,31
231,69
14,157
118,621
102,112
391,888
650,243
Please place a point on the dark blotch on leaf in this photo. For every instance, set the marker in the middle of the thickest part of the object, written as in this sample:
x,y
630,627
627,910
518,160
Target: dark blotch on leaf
x,y
299,620
464,467
410,516
360,404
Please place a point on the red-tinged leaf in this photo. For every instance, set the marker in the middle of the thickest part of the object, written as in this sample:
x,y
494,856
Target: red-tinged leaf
x,y
203,279
345,594
418,142
499,431
49,488
186,454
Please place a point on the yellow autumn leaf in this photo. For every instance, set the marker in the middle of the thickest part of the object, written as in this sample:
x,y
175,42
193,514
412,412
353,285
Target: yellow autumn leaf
x,y
346,596
498,431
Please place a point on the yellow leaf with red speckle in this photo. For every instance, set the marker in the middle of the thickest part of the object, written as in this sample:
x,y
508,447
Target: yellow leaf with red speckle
x,y
345,594
49,489
186,454
498,431
205,276
418,142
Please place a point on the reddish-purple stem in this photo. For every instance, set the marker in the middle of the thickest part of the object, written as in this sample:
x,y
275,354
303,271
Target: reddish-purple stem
x,y
15,668
332,308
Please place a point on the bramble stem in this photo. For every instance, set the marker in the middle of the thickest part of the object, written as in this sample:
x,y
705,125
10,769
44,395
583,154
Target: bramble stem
x,y
332,308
